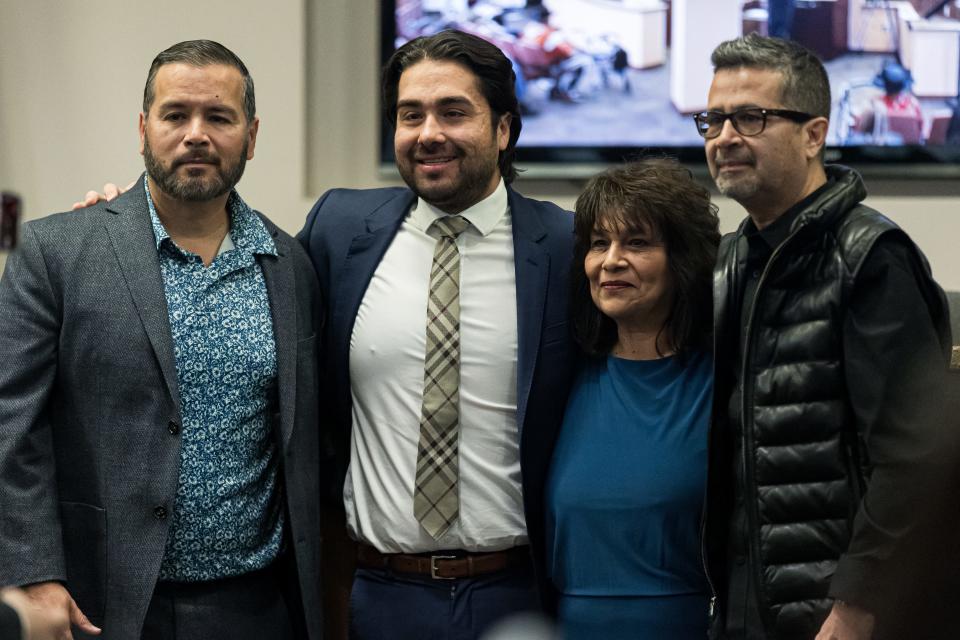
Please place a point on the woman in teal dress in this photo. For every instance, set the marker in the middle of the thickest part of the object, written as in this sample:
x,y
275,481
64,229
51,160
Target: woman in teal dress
x,y
625,491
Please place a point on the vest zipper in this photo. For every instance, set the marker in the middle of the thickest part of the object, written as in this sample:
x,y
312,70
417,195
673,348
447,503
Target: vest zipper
x,y
746,419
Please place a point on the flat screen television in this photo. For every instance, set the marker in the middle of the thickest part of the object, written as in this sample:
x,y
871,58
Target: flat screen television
x,y
601,81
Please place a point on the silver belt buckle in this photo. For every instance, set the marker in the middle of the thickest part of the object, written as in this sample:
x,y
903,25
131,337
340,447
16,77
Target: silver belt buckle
x,y
433,567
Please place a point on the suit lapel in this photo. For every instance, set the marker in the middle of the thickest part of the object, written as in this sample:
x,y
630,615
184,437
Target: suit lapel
x,y
282,293
532,264
350,283
136,249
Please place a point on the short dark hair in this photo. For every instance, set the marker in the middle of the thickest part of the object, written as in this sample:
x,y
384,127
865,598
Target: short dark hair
x,y
662,195
494,72
805,85
200,53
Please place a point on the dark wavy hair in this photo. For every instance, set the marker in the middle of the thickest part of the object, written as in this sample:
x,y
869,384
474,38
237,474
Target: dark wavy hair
x,y
659,194
201,53
493,70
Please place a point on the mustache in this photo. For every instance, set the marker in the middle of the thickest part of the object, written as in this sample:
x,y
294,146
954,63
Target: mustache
x,y
434,150
742,158
209,158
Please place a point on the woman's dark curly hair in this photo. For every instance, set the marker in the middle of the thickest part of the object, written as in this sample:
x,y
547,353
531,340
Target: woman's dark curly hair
x,y
661,196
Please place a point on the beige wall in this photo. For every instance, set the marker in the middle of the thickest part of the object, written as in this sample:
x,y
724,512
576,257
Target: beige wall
x,y
71,85
71,79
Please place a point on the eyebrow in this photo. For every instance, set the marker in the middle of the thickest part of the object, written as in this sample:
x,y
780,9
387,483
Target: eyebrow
x,y
180,104
443,102
749,105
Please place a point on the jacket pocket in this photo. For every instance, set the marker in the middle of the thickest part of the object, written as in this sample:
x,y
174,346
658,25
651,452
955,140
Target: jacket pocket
x,y
85,549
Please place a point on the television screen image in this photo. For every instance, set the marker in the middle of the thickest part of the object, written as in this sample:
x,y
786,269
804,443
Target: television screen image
x,y
603,80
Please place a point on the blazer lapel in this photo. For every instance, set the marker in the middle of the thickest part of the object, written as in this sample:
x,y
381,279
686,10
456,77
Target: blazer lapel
x,y
351,281
532,264
282,293
136,249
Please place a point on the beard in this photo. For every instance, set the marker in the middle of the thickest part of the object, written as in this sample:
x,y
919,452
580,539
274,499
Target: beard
x,y
455,194
190,188
739,189
741,186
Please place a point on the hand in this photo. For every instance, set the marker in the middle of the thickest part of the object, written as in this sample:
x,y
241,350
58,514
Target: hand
x,y
110,191
38,624
847,622
52,599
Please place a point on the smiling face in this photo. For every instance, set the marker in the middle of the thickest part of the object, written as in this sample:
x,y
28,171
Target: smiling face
x,y
629,277
196,140
769,172
447,142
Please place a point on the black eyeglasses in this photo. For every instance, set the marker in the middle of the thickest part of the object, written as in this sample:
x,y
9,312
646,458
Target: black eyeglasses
x,y
750,121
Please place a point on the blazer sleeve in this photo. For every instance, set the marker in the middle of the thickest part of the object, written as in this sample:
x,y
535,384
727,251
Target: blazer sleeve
x,y
31,547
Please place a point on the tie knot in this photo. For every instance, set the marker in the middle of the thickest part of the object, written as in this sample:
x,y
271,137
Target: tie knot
x,y
451,226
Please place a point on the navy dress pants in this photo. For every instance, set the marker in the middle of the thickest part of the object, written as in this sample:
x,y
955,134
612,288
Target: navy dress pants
x,y
387,605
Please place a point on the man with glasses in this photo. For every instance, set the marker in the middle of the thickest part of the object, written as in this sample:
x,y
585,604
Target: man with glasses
x,y
832,343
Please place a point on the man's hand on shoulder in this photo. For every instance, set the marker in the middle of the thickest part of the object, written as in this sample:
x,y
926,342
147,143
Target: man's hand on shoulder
x,y
847,622
53,597
110,191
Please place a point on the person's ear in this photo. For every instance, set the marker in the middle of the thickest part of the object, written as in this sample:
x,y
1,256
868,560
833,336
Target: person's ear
x,y
815,135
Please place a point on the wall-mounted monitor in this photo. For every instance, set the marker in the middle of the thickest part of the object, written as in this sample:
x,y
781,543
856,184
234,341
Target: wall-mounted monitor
x,y
600,81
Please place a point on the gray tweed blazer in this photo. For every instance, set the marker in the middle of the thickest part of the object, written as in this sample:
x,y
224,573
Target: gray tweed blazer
x,y
88,404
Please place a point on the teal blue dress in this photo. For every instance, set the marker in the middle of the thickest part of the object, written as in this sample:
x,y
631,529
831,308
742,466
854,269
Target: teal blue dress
x,y
624,500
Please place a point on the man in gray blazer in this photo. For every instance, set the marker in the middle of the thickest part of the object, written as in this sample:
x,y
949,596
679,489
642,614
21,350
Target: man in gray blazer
x,y
158,416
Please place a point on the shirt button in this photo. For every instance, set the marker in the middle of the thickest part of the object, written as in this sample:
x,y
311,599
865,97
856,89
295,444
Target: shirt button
x,y
173,428
160,513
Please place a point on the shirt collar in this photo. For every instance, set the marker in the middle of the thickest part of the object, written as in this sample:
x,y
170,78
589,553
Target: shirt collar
x,y
778,230
484,216
247,231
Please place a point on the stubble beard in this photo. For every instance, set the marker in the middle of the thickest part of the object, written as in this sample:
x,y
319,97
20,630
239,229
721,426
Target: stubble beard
x,y
199,189
741,190
741,186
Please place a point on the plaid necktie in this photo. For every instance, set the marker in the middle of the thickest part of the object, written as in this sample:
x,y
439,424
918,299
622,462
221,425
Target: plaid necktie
x,y
436,503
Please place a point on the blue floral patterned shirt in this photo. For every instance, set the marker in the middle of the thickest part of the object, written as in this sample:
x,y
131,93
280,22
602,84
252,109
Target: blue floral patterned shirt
x,y
227,519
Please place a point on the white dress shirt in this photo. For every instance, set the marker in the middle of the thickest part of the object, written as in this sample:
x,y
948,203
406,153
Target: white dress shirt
x,y
386,379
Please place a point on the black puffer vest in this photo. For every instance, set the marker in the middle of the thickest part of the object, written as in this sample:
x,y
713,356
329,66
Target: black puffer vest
x,y
805,464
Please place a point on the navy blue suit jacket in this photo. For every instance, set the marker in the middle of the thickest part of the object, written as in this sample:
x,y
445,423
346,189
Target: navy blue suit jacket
x,y
346,236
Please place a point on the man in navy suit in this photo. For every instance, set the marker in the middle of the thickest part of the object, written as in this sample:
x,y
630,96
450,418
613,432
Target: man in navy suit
x,y
451,98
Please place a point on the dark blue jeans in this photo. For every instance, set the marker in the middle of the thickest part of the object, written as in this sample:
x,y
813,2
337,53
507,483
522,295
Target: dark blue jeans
x,y
386,605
